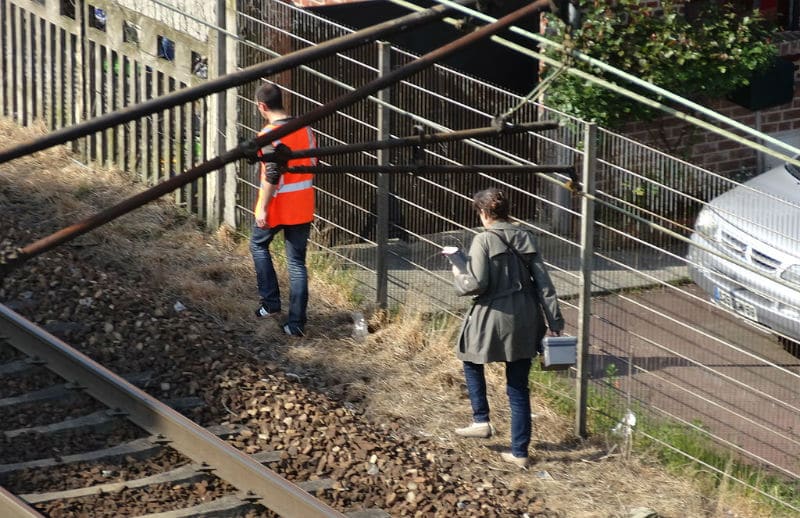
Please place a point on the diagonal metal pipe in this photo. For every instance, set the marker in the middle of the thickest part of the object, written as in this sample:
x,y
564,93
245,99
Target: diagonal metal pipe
x,y
284,153
11,260
427,169
220,84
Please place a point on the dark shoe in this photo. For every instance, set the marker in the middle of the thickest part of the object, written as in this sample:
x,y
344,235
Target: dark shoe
x,y
476,430
292,331
263,312
520,462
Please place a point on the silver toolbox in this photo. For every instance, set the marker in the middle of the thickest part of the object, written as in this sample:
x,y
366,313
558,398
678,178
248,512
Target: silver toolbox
x,y
559,352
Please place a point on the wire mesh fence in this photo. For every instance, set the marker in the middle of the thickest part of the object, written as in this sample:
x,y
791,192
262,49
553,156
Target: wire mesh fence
x,y
659,347
694,276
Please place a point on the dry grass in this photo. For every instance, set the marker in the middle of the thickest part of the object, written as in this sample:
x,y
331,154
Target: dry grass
x,y
404,370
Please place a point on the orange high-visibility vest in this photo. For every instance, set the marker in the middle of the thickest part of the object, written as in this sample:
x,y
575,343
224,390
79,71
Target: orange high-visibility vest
x,y
293,202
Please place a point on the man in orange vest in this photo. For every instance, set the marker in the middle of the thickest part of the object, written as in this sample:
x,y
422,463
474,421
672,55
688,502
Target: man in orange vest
x,y
285,202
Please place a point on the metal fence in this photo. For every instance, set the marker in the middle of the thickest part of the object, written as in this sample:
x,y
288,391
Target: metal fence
x,y
659,348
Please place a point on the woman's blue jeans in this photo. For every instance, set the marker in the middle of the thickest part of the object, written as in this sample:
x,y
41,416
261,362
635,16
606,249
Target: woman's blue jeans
x,y
518,391
296,239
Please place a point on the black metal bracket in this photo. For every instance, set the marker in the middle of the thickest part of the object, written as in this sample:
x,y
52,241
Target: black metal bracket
x,y
574,183
251,150
418,150
280,154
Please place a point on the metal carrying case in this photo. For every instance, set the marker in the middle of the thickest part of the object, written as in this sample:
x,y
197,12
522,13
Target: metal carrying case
x,y
559,352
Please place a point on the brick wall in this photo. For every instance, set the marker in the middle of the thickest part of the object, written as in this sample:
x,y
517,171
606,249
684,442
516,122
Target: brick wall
x,y
715,152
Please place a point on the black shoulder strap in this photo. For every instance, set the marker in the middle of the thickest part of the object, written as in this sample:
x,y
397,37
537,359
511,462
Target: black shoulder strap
x,y
519,256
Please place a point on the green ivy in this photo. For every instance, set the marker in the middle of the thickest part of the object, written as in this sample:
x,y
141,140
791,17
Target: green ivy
x,y
706,58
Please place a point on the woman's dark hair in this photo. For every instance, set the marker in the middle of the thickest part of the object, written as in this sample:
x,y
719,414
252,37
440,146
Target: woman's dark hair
x,y
492,201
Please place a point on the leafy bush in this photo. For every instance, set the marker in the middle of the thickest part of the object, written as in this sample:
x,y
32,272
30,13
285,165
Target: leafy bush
x,y
708,57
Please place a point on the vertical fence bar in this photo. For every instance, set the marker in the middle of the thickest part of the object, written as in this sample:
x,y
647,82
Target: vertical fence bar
x,y
5,53
121,86
214,185
35,68
48,55
42,62
155,118
199,187
128,146
95,99
168,136
78,71
58,78
143,124
382,194
70,70
181,143
109,94
18,60
26,55
226,55
587,254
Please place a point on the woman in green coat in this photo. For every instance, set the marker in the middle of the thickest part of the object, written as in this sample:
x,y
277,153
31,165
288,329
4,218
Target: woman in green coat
x,y
508,318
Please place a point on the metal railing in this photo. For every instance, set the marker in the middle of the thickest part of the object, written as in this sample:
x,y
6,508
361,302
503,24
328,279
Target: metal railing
x,y
654,346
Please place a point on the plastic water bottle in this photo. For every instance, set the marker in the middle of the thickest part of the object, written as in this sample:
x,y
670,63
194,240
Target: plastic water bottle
x,y
360,329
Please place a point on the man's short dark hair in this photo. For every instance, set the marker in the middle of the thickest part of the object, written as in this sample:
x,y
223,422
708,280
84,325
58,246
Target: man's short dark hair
x,y
270,95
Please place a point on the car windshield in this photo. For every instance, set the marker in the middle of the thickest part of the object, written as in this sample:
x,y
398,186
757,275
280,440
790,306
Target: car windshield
x,y
793,170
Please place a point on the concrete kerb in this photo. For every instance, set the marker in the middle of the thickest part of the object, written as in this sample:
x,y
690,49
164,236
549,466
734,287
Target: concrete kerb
x,y
419,267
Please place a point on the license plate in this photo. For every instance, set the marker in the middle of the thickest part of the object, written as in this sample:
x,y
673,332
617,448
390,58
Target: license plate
x,y
741,307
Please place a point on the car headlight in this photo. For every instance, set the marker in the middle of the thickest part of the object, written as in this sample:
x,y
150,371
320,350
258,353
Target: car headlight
x,y
707,223
792,274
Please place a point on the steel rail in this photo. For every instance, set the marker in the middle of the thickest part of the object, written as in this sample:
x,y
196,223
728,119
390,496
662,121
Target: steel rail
x,y
255,480
415,140
12,506
9,260
220,84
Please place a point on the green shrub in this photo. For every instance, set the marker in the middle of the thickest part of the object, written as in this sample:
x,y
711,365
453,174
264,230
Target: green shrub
x,y
708,57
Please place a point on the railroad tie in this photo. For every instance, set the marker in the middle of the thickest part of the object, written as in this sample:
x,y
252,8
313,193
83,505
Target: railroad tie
x,y
16,367
96,419
142,446
187,473
64,390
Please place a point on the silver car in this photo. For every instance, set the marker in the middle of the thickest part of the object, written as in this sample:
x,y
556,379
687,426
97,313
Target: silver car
x,y
745,252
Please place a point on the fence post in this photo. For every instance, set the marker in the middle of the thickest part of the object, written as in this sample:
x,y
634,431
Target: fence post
x,y
382,194
226,119
587,254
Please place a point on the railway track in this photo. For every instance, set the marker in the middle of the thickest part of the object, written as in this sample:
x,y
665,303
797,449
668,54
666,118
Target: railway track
x,y
79,440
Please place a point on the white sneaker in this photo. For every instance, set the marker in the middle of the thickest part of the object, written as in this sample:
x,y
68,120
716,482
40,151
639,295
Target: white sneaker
x,y
263,312
476,430
520,462
289,330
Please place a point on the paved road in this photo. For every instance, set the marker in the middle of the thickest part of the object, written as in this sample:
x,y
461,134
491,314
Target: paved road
x,y
695,362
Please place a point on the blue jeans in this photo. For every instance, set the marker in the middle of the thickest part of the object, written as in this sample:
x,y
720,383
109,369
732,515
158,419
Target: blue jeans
x,y
296,239
517,373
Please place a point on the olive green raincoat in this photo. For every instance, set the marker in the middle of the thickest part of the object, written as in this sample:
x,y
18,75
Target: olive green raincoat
x,y
507,320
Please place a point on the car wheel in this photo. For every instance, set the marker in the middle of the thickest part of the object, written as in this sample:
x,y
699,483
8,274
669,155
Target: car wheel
x,y
790,346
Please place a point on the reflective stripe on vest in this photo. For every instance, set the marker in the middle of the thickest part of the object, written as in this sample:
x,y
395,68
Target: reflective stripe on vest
x,y
295,205
294,187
